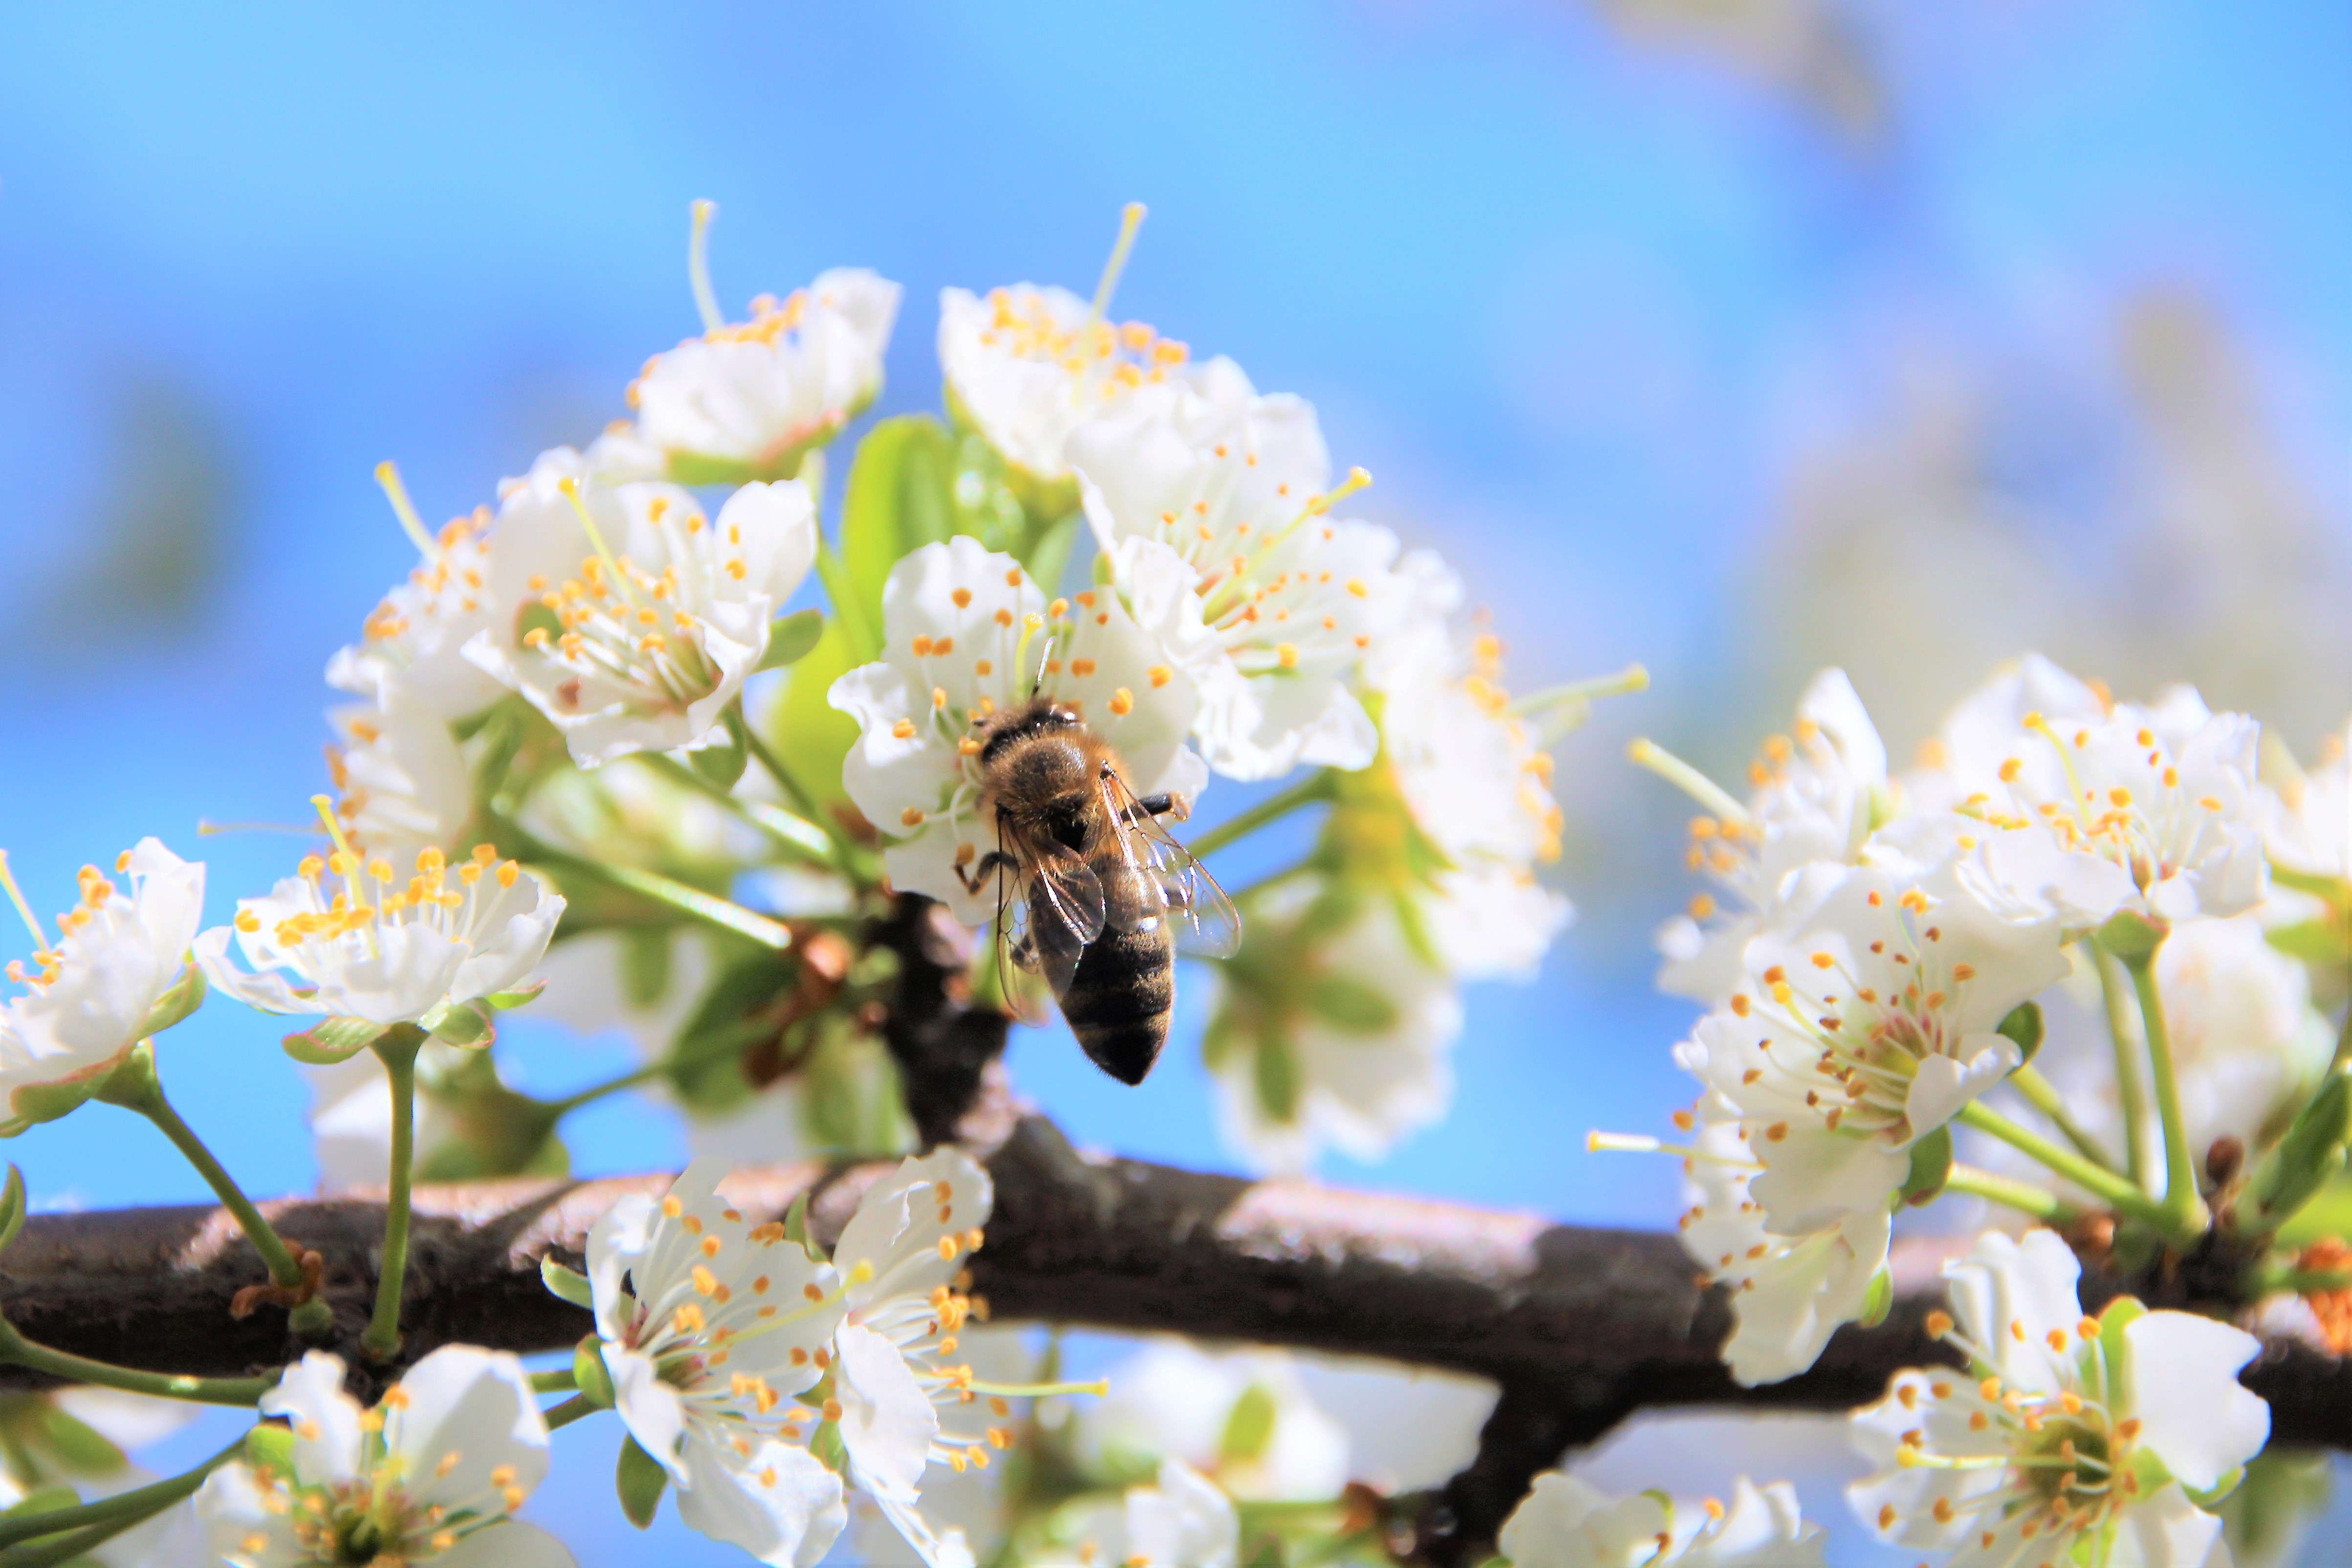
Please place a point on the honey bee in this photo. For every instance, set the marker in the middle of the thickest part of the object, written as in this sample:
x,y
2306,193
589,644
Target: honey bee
x,y
1091,891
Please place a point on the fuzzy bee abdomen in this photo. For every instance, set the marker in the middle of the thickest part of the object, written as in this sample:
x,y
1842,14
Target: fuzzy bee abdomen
x,y
1119,998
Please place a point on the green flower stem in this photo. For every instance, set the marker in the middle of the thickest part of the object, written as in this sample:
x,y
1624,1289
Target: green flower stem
x,y
2264,1280
2121,1030
557,1382
87,1525
397,1047
2023,1196
2043,1096
1315,788
134,1086
799,837
708,908
845,859
2185,1212
2100,1182
18,1351
575,1408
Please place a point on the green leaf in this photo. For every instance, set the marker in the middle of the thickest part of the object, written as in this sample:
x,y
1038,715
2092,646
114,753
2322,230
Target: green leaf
x,y
333,1040
639,1480
535,616
811,735
2023,1025
2282,1491
1047,555
1249,1425
645,964
1931,1167
2291,1172
2321,942
791,638
47,1499
900,497
591,1375
81,1449
187,994
12,1209
565,1283
270,1448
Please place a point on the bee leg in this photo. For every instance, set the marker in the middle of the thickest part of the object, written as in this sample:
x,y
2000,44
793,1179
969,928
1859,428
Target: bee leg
x,y
1170,804
981,871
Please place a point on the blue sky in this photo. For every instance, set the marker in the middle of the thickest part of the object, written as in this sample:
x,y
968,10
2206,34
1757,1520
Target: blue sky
x,y
1579,304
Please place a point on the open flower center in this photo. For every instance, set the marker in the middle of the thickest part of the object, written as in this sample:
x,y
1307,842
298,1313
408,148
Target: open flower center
x,y
345,903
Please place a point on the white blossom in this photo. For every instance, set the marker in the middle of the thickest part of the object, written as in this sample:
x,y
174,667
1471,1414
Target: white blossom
x,y
116,972
1566,1523
2307,817
1213,510
1815,794
2066,1434
1867,1018
343,937
401,781
709,1326
967,634
430,1474
747,399
411,650
1479,788
637,633
1243,1418
895,1366
1182,1520
2152,810
1330,1026
83,1437
1024,368
1789,1293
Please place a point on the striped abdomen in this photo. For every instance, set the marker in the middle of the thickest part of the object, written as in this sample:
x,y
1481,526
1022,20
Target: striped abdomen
x,y
1119,997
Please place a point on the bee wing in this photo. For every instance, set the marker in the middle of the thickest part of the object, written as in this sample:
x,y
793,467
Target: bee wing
x,y
1062,913
1017,983
1203,919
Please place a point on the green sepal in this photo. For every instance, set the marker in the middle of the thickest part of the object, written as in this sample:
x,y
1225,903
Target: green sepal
x,y
467,1024
34,1103
1878,1301
791,638
796,1229
1276,1075
2023,1026
566,1284
185,996
12,1209
2132,937
1349,1005
333,1040
785,461
1931,1168
639,1479
47,1499
724,763
271,1449
2115,1350
507,1001
591,1375
825,1444
1249,1425
2211,1498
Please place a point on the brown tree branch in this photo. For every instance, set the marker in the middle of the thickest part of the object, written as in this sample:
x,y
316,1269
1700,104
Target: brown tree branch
x,y
1586,1323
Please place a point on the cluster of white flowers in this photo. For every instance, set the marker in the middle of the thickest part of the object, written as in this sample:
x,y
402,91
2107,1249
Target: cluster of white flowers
x,y
1874,933
734,1350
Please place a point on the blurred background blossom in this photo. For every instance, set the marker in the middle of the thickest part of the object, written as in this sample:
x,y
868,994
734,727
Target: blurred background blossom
x,y
1735,337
